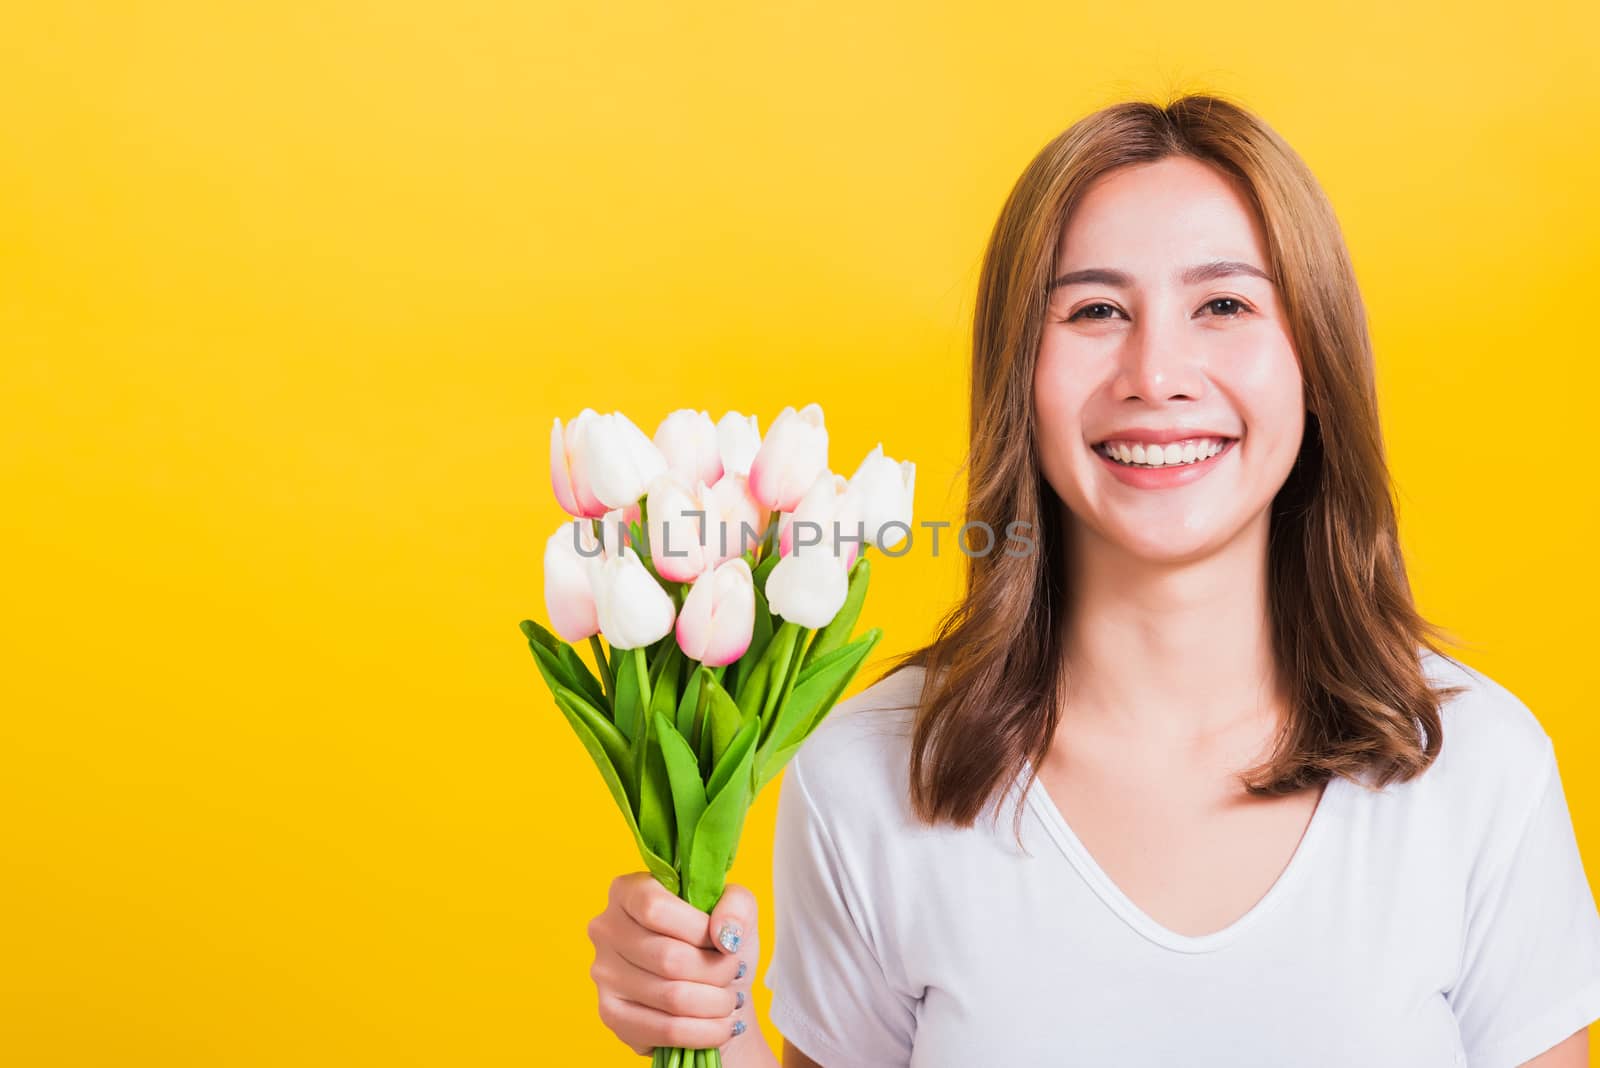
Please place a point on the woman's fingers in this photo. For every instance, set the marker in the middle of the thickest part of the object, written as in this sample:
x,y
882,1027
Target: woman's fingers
x,y
675,997
657,909
640,1025
669,958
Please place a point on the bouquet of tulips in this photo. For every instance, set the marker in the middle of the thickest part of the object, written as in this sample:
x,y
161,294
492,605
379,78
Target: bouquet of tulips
x,y
726,572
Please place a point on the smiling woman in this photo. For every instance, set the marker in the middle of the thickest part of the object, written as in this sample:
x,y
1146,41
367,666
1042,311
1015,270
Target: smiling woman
x,y
1260,816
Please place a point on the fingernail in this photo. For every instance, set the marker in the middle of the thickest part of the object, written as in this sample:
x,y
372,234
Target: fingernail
x,y
738,1027
738,1000
730,936
740,973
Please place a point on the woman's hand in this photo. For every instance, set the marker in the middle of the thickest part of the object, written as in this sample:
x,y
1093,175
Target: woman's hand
x,y
667,974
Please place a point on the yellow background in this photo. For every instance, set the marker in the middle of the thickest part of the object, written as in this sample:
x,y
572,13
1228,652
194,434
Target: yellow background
x,y
290,293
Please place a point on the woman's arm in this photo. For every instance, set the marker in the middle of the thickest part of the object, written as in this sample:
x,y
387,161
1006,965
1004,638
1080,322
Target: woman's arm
x,y
793,1058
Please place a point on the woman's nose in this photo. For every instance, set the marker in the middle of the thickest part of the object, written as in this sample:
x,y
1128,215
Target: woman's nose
x,y
1159,363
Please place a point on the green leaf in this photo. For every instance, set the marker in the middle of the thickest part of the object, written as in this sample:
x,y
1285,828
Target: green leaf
x,y
730,760
632,692
760,636
716,836
656,823
649,785
764,568
664,680
689,702
816,690
688,790
583,679
769,670
536,633
725,718
782,686
615,747
582,722
551,668
836,632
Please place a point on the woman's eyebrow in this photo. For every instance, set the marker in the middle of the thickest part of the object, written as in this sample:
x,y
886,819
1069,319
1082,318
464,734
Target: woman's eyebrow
x,y
1205,272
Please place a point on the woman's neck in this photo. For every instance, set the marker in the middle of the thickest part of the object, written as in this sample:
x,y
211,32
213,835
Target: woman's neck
x,y
1162,653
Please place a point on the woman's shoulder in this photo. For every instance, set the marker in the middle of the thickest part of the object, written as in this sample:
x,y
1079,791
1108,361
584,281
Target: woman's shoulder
x,y
1485,729
857,758
1494,760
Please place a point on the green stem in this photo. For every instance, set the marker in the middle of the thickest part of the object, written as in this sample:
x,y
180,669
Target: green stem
x,y
605,668
701,739
771,532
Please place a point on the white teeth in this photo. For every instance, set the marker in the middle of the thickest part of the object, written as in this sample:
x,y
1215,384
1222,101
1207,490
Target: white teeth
x,y
1173,455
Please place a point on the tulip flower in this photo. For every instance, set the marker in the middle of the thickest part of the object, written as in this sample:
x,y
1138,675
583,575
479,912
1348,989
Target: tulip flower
x,y
830,526
677,517
880,494
689,443
735,520
738,440
808,586
686,732
632,607
792,455
568,475
619,460
567,596
719,614
614,529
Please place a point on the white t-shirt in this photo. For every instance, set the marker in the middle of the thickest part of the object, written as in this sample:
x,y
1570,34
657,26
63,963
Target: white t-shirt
x,y
1442,922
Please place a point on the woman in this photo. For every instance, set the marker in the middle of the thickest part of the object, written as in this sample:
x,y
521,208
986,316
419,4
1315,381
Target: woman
x,y
1259,817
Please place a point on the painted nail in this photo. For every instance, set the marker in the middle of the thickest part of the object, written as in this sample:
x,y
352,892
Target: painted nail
x,y
738,1027
740,973
738,1000
730,936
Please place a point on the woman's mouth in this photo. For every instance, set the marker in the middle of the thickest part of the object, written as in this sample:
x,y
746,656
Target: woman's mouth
x,y
1160,466
1171,454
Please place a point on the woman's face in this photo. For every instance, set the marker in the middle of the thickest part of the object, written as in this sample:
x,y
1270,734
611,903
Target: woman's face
x,y
1159,346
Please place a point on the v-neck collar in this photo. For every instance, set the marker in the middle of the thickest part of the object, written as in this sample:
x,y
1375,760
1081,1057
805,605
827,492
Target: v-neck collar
x,y
1044,807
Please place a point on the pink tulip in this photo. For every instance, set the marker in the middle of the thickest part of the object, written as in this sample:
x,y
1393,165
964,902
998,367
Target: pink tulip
x,y
718,616
614,529
568,476
793,454
735,520
677,517
567,597
738,440
830,527
688,442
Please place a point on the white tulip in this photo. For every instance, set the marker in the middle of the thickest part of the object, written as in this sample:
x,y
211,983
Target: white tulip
x,y
880,493
632,607
829,526
688,441
808,587
620,461
738,440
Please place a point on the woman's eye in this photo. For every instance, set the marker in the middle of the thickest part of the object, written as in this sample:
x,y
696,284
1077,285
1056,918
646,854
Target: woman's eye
x,y
1087,308
1221,308
1236,306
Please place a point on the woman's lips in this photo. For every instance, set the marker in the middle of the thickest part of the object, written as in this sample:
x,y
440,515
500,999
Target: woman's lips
x,y
1164,477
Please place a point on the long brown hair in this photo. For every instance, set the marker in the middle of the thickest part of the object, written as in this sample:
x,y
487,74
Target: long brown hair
x,y
1347,636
